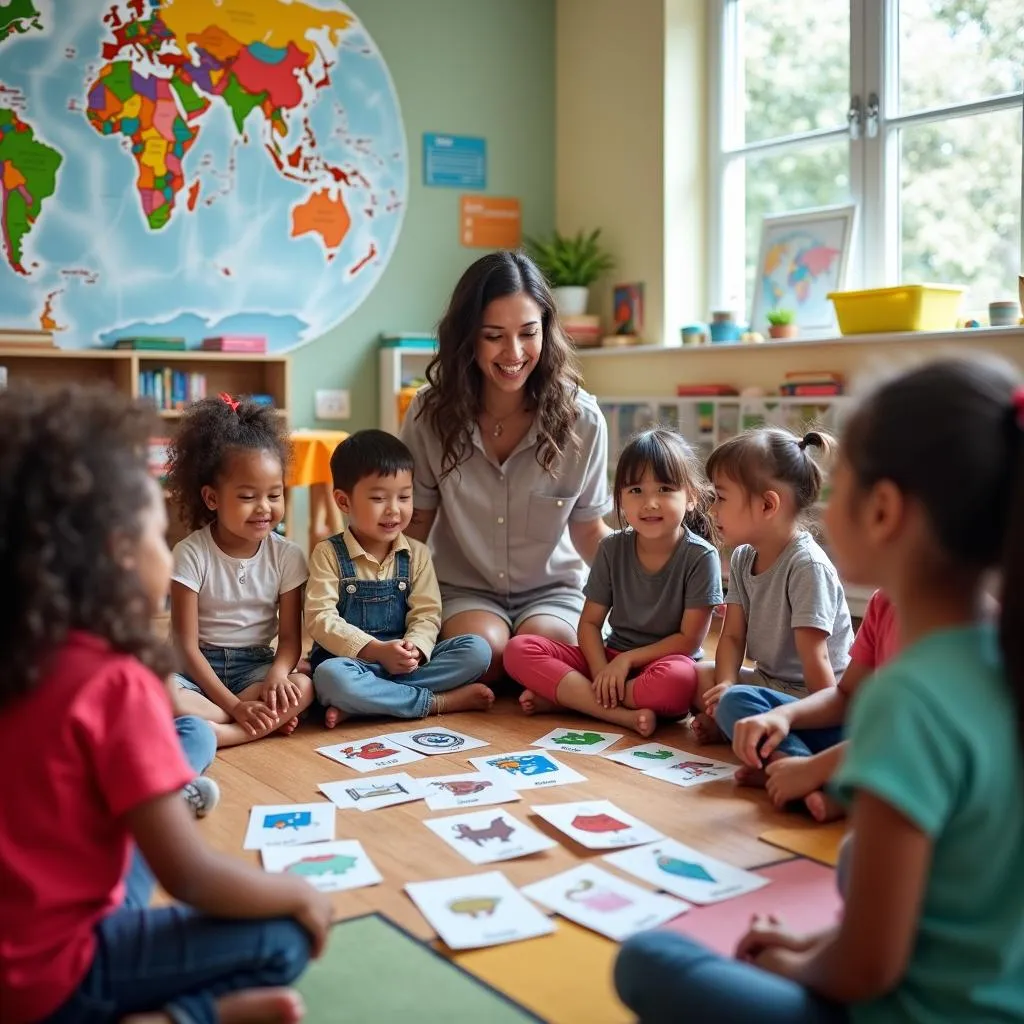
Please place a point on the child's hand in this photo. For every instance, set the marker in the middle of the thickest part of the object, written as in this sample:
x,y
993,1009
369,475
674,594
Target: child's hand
x,y
769,932
254,716
609,685
793,778
414,651
755,738
315,914
394,655
713,696
279,693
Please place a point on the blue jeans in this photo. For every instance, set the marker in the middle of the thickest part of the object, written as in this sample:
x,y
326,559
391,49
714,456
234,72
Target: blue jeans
x,y
367,688
236,667
666,978
744,701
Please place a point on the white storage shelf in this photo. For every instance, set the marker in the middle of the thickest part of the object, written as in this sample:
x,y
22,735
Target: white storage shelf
x,y
399,365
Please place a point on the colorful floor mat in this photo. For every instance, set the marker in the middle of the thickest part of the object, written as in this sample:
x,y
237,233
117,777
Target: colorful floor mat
x,y
819,842
412,982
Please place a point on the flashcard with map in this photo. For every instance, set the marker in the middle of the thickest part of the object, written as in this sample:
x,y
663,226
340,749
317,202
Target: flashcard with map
x,y
694,771
527,769
435,740
605,903
370,755
372,794
649,756
578,741
478,910
329,867
686,872
597,824
289,825
486,837
471,789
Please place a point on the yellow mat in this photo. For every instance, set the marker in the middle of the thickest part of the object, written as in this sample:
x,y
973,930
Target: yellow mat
x,y
818,842
564,978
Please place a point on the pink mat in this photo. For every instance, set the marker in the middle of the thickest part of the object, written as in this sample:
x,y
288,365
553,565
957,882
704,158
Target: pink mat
x,y
802,893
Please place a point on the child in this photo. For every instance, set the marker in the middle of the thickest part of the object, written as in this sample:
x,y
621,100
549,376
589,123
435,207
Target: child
x,y
86,732
786,607
799,743
373,606
928,494
657,582
237,584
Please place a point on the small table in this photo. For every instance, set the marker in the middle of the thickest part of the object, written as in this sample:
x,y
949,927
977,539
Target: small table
x,y
311,467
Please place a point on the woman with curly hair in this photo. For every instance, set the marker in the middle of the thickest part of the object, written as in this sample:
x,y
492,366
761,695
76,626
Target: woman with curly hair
x,y
237,585
511,461
88,747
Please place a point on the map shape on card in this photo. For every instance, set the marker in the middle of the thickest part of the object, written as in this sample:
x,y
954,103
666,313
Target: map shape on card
x,y
578,741
323,864
597,824
649,757
526,769
329,867
290,819
289,825
370,755
475,906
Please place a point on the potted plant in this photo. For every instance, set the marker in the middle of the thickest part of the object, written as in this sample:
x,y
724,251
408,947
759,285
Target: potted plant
x,y
571,264
780,323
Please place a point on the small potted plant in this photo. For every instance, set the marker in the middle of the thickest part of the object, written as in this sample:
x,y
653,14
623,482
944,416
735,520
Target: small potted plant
x,y
780,323
571,264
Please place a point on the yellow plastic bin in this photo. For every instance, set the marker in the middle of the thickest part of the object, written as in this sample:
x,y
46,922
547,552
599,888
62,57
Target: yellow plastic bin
x,y
907,307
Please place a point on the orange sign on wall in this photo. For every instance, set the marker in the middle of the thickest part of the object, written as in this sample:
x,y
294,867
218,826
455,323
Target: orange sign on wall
x,y
487,222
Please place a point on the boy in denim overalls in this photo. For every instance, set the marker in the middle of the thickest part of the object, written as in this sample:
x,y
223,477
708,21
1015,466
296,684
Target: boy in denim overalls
x,y
373,606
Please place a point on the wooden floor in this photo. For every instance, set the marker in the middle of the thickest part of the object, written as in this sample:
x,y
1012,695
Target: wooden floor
x,y
716,817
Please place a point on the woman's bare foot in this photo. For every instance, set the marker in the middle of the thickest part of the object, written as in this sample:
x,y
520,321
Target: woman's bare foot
x,y
332,716
472,697
261,1006
823,808
289,727
706,730
747,776
534,704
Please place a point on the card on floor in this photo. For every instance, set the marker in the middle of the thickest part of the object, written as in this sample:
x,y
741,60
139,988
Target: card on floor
x,y
471,789
329,867
527,769
478,910
597,824
289,825
436,740
485,837
694,771
604,902
687,872
371,794
649,756
578,741
370,755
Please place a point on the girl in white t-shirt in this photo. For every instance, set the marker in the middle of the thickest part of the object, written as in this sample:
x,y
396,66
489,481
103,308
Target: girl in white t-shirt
x,y
236,585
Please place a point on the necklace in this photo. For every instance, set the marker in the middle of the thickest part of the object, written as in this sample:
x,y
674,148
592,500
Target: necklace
x,y
499,425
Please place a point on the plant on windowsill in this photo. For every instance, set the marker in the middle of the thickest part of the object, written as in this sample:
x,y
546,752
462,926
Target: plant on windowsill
x,y
571,264
780,323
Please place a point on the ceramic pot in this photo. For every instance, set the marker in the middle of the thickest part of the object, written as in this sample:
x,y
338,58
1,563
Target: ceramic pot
x,y
571,301
783,330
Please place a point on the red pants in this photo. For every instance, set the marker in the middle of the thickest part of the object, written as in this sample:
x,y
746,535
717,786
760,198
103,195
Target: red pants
x,y
666,686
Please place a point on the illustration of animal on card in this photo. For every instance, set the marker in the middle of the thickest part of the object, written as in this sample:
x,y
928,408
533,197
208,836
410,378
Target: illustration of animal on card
x,y
475,906
578,739
291,819
598,823
683,868
700,769
596,897
654,755
525,764
499,828
464,787
367,752
329,864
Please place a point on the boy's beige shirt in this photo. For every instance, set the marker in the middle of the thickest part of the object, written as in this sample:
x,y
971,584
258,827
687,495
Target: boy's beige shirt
x,y
341,638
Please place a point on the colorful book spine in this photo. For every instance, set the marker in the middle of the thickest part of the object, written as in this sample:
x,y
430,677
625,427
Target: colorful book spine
x,y
171,390
252,344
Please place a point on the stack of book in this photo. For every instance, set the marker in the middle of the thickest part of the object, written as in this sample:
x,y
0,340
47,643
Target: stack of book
x,y
584,330
811,383
150,344
171,389
27,341
250,344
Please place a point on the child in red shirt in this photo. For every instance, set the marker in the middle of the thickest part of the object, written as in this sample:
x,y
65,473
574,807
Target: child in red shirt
x,y
87,731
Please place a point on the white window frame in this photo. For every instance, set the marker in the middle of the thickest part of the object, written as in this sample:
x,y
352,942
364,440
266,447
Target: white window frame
x,y
874,156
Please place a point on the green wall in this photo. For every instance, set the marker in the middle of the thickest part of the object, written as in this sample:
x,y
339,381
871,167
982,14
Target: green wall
x,y
469,67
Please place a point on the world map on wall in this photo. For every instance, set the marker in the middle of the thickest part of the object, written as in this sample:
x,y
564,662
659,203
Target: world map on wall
x,y
191,168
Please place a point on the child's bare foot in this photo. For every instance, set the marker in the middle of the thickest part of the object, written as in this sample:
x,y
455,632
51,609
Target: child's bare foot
x,y
747,776
289,727
706,730
534,704
823,808
261,1006
646,721
332,716
472,697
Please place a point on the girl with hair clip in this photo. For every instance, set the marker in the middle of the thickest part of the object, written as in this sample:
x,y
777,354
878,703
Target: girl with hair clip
x,y
657,582
928,496
786,609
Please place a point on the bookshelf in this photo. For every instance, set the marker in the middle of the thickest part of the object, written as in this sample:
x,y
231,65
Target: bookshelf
x,y
403,360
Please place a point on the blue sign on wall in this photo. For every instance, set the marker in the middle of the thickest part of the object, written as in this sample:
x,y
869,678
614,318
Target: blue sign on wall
x,y
454,161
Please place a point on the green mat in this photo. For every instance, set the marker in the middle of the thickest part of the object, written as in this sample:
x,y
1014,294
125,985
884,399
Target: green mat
x,y
373,971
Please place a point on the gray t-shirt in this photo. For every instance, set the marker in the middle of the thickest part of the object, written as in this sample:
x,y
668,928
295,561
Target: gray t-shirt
x,y
648,606
801,588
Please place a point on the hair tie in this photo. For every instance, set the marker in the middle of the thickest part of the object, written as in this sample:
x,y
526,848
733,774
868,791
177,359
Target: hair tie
x,y
228,401
1017,402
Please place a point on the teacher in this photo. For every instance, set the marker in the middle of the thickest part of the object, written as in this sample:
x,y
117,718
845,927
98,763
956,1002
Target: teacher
x,y
511,461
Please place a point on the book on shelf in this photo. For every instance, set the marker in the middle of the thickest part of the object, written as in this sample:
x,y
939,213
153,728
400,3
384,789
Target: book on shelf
x,y
704,390
252,344
151,344
170,389
820,389
13,337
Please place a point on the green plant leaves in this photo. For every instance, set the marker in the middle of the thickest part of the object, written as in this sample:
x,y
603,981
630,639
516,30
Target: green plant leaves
x,y
570,260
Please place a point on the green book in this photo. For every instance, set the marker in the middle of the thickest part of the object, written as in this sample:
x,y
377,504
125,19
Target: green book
x,y
152,344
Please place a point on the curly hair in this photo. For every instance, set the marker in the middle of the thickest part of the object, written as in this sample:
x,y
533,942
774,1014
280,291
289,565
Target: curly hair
x,y
454,399
210,430
73,477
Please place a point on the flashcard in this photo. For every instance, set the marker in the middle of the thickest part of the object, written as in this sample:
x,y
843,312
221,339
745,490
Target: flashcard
x,y
597,824
649,756
437,740
370,755
527,769
694,771
371,794
289,825
489,836
604,903
471,789
329,867
478,910
686,872
578,741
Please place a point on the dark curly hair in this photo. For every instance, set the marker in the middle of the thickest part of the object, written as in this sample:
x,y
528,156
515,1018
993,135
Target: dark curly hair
x,y
210,430
73,477
453,401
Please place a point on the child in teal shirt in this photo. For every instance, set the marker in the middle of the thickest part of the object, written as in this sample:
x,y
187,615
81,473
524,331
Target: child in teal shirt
x,y
927,496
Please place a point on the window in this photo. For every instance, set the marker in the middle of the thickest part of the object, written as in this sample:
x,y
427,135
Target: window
x,y
911,108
